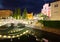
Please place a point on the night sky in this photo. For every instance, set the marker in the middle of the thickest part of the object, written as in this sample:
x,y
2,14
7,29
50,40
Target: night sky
x,y
31,5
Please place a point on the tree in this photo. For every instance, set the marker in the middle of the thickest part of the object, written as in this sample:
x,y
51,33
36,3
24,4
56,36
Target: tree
x,y
24,14
17,13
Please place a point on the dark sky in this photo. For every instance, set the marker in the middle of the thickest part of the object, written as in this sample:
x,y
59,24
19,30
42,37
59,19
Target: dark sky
x,y
31,5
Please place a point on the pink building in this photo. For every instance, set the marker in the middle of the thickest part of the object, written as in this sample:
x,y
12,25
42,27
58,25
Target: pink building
x,y
46,10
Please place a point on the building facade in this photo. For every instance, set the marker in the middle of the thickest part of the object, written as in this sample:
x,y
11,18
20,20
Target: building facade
x,y
55,10
5,13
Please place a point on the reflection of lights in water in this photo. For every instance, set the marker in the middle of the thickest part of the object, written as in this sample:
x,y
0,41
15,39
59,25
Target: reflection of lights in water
x,y
45,40
35,36
14,31
36,39
32,33
18,38
4,36
11,31
17,35
15,22
21,34
9,36
8,25
0,35
13,36
26,30
11,39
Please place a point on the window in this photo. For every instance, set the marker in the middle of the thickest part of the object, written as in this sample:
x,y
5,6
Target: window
x,y
56,5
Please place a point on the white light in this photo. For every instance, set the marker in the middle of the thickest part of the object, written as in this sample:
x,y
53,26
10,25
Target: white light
x,y
0,35
13,36
14,31
18,35
19,29
24,32
21,34
8,32
27,31
18,38
32,34
35,36
9,36
37,39
11,31
4,36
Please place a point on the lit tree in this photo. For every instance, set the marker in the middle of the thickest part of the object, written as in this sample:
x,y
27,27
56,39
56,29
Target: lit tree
x,y
42,16
24,14
14,15
18,13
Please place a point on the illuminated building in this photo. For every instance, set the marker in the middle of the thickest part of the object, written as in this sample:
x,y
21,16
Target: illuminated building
x,y
52,11
30,16
5,13
46,10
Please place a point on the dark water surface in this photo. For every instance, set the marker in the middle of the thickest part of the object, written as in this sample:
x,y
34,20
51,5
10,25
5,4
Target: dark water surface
x,y
30,38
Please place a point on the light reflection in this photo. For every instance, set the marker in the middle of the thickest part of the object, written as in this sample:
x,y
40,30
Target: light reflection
x,y
4,36
18,35
21,34
24,32
0,35
9,36
13,36
27,31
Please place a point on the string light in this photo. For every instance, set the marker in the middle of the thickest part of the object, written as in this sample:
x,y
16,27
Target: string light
x,y
26,30
36,36
14,31
0,36
21,34
13,36
11,31
4,36
37,39
18,38
8,32
32,33
9,36
11,39
18,35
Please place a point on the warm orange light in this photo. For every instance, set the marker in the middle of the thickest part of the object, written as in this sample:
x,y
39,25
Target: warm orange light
x,y
30,16
5,13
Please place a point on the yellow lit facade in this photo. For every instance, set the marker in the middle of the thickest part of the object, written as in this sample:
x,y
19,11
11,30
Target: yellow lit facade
x,y
5,13
30,16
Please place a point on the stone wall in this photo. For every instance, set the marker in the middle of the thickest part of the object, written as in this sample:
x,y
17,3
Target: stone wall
x,y
55,10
